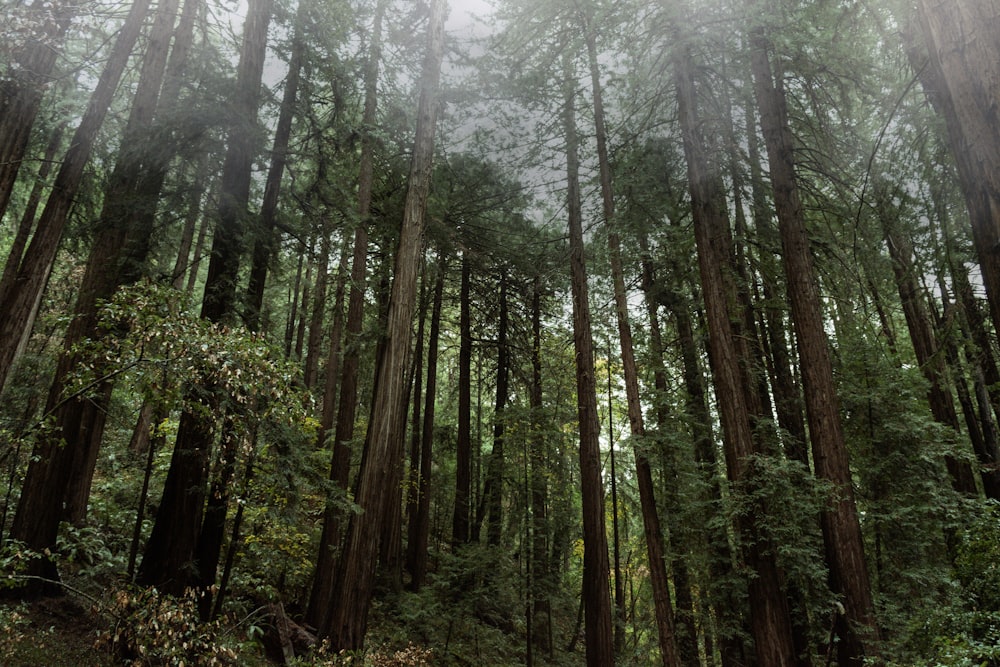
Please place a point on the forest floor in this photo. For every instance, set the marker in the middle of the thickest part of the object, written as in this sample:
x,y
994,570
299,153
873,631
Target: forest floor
x,y
54,632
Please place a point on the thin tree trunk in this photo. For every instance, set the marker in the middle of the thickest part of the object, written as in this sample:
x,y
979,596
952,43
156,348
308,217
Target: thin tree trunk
x,y
596,596
925,347
650,516
493,486
324,575
422,521
267,239
316,320
540,590
460,533
348,620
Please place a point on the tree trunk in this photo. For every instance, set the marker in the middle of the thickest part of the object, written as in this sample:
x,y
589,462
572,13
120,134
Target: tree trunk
x,y
23,86
770,623
463,455
925,347
541,572
493,487
348,619
174,541
596,599
961,79
650,517
318,307
841,528
18,298
267,239
422,520
326,562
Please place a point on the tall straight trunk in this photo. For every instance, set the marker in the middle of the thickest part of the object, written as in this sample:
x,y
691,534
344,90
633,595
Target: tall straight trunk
x,y
770,622
178,529
538,453
463,449
787,399
421,523
23,85
331,385
492,501
27,221
962,78
650,516
596,595
18,298
267,237
348,620
842,538
333,516
416,424
686,611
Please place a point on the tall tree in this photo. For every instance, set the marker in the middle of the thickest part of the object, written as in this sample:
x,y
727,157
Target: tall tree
x,y
19,299
325,571
962,78
24,82
179,536
650,515
347,623
770,622
596,592
842,537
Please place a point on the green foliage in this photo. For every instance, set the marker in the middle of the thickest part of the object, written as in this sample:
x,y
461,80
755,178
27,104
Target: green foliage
x,y
962,629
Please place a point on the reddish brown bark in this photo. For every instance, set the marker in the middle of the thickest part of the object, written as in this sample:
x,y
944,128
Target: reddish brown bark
x,y
842,537
596,595
381,464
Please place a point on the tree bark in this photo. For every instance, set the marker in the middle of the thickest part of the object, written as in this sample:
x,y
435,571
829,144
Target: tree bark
x,y
962,81
326,562
463,456
770,623
840,525
653,534
23,86
380,469
421,522
267,239
178,532
18,298
598,630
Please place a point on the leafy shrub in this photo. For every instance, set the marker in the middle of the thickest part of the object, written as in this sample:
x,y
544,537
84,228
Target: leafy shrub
x,y
154,629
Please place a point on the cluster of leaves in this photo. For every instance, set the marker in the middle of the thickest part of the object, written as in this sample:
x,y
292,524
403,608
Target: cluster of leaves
x,y
167,350
151,628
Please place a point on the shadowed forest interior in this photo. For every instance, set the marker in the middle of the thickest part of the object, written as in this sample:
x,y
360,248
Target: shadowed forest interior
x,y
500,332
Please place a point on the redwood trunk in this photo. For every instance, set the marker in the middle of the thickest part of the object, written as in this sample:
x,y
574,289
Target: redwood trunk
x,y
596,595
653,534
839,521
380,469
770,623
333,516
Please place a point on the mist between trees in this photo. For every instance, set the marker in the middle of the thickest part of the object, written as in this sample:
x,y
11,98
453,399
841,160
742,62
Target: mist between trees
x,y
562,332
